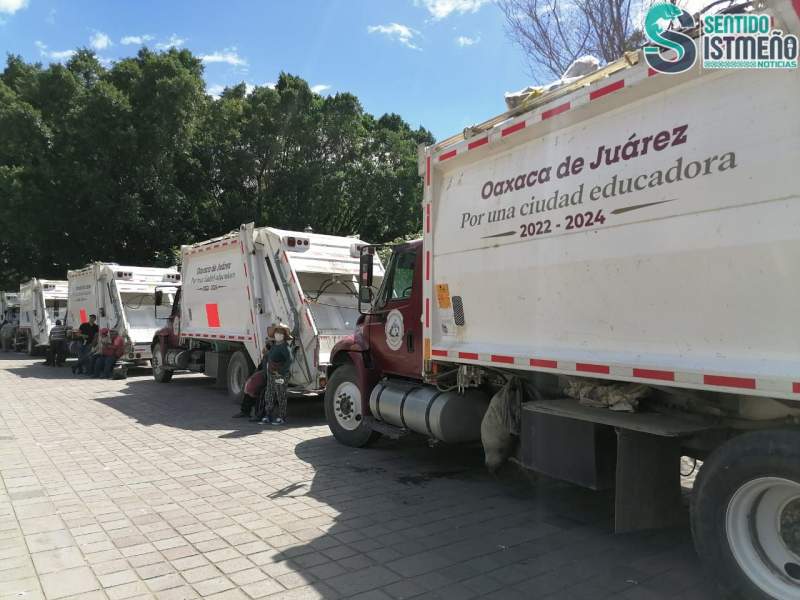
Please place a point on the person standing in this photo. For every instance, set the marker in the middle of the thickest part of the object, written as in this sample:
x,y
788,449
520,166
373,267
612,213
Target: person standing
x,y
57,351
279,363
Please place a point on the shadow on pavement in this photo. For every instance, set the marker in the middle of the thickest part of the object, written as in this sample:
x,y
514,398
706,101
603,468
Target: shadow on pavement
x,y
412,520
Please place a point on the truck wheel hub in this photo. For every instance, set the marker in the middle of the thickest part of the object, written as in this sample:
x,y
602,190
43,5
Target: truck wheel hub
x,y
764,533
347,405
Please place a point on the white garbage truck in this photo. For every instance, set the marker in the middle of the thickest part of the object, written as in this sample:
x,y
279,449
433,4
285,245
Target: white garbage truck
x,y
608,281
236,286
122,299
41,303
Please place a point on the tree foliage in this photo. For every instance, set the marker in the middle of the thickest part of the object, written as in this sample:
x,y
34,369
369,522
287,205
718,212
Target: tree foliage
x,y
127,163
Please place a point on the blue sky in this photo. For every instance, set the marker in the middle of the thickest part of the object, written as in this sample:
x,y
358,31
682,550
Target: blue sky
x,y
444,64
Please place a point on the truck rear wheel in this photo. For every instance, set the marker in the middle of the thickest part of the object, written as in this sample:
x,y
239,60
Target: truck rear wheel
x,y
343,409
746,515
160,373
239,369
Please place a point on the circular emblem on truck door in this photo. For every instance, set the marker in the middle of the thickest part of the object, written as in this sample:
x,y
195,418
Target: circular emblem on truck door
x,y
394,329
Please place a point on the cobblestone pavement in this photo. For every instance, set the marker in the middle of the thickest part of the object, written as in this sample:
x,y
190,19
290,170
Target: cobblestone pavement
x,y
132,489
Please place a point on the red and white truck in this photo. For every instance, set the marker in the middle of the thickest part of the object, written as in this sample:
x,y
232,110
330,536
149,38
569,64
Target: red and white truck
x,y
236,286
628,228
42,302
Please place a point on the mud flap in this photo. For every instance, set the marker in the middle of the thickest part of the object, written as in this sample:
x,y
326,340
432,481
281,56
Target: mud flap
x,y
648,483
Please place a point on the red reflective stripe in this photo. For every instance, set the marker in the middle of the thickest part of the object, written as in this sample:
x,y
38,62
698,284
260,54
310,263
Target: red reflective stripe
x,y
796,4
468,355
590,368
427,170
796,385
84,318
607,89
654,374
212,315
427,265
540,362
478,143
427,311
435,352
499,358
447,155
725,381
512,129
245,268
241,245
248,292
428,218
555,111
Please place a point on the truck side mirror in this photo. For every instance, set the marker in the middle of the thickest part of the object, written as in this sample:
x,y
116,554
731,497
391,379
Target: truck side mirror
x,y
159,297
365,279
366,263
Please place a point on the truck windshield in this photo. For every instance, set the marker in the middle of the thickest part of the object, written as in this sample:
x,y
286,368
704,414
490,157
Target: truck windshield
x,y
398,282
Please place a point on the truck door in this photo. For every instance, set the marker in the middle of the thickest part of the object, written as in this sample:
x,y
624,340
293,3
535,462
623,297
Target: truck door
x,y
394,331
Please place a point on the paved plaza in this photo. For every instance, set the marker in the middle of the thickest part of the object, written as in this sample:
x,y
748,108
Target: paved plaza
x,y
133,489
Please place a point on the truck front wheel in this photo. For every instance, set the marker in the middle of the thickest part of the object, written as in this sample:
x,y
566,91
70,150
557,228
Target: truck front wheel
x,y
343,409
160,373
746,515
239,370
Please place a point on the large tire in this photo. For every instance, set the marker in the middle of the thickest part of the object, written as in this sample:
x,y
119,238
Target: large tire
x,y
160,373
746,515
239,369
344,409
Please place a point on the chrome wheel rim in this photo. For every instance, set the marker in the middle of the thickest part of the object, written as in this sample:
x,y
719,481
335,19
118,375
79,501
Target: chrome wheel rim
x,y
347,405
762,531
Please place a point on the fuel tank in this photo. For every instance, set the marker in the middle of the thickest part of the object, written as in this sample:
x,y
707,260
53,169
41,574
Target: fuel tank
x,y
450,417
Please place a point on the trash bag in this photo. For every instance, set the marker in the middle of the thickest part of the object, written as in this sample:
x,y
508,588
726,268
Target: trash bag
x,y
623,397
501,424
580,67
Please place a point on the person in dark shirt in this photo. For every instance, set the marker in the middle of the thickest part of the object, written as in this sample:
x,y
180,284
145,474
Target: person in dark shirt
x,y
276,358
279,363
88,332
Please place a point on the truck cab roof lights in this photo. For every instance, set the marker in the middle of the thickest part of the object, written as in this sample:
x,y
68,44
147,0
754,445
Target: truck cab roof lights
x,y
123,275
296,244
